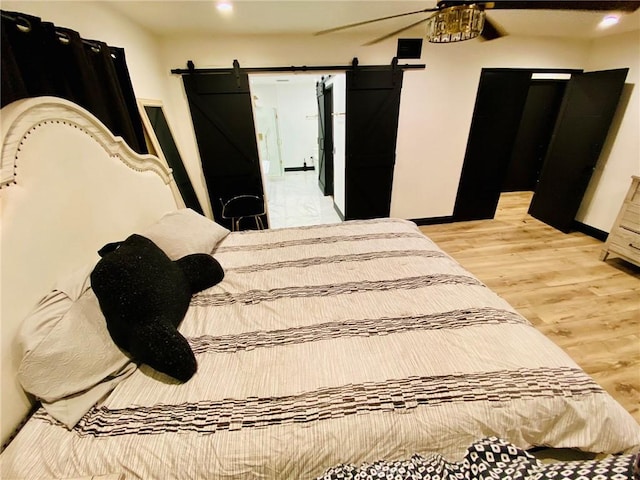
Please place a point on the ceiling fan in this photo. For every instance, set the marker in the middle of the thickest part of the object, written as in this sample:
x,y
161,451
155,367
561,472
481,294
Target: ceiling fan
x,y
454,21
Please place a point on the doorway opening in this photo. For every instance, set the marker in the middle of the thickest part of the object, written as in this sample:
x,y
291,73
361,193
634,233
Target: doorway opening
x,y
222,110
538,118
286,117
542,133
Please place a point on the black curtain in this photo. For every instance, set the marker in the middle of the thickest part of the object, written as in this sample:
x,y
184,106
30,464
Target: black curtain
x,y
39,58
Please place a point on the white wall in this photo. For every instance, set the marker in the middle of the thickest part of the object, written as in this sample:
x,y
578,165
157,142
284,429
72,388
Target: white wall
x,y
620,157
436,106
436,109
254,51
298,115
295,103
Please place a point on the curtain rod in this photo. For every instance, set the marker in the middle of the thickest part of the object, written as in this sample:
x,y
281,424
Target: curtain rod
x,y
304,68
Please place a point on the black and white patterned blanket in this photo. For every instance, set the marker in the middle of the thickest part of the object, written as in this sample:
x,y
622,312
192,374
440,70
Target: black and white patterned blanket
x,y
490,458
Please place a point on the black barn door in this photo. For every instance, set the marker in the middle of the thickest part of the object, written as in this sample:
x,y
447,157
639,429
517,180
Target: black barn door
x,y
372,108
222,117
499,105
588,107
324,95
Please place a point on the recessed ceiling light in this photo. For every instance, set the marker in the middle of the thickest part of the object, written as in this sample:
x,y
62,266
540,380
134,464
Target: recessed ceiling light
x,y
224,7
609,21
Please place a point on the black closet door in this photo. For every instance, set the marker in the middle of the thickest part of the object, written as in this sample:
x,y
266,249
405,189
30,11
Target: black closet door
x,y
222,117
372,108
324,95
539,117
499,105
585,116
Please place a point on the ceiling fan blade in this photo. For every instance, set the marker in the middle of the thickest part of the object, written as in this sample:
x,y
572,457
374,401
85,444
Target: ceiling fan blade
x,y
392,34
621,5
491,30
357,24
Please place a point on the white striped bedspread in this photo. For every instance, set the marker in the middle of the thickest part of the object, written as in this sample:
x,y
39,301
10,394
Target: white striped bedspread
x,y
327,345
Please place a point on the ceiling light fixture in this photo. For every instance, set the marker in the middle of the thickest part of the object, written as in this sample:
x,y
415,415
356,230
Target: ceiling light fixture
x,y
224,7
455,24
609,21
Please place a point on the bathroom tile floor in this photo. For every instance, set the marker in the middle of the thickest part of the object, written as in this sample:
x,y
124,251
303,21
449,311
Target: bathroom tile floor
x,y
294,199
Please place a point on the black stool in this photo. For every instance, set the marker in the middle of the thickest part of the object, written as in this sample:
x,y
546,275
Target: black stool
x,y
243,206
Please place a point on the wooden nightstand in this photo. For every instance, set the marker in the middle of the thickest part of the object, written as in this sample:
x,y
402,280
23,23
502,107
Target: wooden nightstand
x,y
624,239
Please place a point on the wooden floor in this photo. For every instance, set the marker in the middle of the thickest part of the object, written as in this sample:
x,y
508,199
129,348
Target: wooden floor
x,y
588,307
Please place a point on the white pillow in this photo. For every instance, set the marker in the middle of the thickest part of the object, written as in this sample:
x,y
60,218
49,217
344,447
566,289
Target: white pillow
x,y
184,232
69,361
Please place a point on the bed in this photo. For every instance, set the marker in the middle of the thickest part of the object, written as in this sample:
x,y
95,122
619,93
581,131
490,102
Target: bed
x,y
323,350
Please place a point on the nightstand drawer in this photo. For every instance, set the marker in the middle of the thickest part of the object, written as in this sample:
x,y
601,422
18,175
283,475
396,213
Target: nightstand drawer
x,y
631,217
625,242
624,239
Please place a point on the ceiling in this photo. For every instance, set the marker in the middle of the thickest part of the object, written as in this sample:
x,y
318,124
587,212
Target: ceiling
x,y
168,17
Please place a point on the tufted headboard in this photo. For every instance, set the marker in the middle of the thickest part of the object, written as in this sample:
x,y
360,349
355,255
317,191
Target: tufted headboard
x,y
68,186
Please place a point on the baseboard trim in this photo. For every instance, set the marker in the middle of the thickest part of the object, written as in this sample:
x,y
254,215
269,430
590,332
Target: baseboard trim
x,y
299,169
591,231
433,220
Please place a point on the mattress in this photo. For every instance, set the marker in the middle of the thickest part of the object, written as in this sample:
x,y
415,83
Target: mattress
x,y
331,345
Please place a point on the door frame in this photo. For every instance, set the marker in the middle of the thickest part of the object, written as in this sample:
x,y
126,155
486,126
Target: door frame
x,y
540,112
472,174
239,72
325,127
